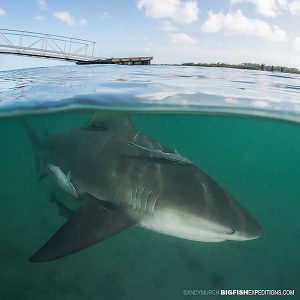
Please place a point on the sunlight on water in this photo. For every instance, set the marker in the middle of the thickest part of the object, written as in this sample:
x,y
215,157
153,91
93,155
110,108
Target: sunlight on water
x,y
156,88
255,159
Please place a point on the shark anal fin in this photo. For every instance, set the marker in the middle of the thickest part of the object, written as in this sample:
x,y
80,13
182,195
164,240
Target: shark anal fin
x,y
94,221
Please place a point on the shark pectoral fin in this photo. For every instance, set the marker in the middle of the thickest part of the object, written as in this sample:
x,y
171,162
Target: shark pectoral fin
x,y
94,221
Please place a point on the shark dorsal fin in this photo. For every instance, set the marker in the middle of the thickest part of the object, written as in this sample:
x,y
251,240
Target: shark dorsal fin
x,y
69,175
111,121
177,152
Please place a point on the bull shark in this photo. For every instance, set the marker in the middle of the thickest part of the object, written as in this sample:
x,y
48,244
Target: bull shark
x,y
63,209
120,186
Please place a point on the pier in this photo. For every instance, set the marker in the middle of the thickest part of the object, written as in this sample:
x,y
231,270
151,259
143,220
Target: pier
x,y
49,46
120,61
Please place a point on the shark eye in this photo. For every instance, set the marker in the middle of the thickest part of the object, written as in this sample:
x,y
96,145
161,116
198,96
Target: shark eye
x,y
232,231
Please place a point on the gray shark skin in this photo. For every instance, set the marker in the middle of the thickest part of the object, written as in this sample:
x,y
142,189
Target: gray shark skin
x,y
175,157
120,186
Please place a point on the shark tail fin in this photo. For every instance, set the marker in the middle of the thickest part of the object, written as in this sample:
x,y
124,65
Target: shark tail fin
x,y
31,134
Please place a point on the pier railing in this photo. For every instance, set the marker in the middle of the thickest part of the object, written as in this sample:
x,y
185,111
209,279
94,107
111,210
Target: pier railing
x,y
46,45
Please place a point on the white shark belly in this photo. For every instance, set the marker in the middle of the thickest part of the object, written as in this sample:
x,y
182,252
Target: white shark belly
x,y
172,225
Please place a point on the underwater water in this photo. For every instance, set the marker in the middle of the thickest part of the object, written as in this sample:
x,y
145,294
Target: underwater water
x,y
239,143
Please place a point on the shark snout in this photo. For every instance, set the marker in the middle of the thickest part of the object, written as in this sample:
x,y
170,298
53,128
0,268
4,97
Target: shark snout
x,y
248,229
253,230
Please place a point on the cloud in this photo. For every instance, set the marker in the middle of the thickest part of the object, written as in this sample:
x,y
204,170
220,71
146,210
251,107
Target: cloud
x,y
236,23
42,4
40,18
167,26
83,22
182,38
268,8
2,12
179,11
106,15
296,44
273,8
294,7
65,17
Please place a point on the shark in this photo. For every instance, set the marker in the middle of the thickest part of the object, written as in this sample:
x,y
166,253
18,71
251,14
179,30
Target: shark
x,y
120,185
63,210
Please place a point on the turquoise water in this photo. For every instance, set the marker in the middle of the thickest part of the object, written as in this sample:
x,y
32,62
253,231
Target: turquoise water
x,y
239,143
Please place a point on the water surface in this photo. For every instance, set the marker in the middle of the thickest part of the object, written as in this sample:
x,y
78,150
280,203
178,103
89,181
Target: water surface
x,y
247,143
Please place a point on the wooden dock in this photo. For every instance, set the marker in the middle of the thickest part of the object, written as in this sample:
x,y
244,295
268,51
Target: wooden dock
x,y
41,45
145,60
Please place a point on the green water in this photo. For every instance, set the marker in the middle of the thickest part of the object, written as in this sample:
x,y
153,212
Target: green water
x,y
257,160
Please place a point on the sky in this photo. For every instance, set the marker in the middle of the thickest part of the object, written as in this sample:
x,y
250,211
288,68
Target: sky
x,y
172,31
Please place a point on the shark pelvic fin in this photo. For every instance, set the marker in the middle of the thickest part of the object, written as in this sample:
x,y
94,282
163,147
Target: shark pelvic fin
x,y
42,175
94,221
63,209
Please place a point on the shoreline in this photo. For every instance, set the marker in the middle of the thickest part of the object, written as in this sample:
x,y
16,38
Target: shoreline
x,y
246,66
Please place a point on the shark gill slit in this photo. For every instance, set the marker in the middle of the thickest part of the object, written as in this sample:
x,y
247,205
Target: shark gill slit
x,y
146,202
134,206
141,200
138,200
154,204
131,202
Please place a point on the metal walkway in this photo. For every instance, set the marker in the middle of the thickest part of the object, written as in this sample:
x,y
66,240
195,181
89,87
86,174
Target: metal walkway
x,y
47,46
